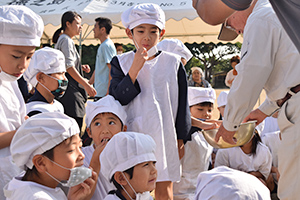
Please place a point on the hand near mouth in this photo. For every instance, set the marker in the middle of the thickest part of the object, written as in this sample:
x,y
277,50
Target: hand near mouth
x,y
95,161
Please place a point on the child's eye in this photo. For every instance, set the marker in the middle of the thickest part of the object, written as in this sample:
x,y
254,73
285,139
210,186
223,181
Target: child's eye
x,y
16,57
200,109
140,31
146,164
112,123
97,124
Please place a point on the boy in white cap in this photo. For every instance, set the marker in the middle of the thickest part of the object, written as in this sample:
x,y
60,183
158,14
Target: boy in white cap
x,y
48,147
177,47
128,161
197,151
20,33
153,86
46,72
229,184
104,118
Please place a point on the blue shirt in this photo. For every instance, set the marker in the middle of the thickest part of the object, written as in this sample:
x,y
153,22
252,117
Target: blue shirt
x,y
105,53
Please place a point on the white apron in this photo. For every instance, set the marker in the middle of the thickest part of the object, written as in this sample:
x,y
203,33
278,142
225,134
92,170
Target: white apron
x,y
12,113
154,110
195,160
44,107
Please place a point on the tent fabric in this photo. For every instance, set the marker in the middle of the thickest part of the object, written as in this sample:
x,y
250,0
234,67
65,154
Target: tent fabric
x,y
182,20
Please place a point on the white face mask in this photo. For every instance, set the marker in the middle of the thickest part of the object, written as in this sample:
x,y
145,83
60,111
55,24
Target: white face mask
x,y
77,175
151,52
138,196
119,52
7,77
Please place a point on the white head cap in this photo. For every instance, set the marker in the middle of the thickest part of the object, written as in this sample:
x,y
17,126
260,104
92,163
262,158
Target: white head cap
x,y
46,60
107,104
175,46
145,13
199,95
39,134
125,150
226,183
222,98
20,26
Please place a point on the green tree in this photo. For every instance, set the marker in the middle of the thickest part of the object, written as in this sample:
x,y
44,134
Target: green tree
x,y
212,56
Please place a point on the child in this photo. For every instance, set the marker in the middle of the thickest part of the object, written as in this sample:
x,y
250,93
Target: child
x,y
229,184
198,151
104,118
177,47
48,147
128,161
20,33
46,72
253,157
222,101
153,87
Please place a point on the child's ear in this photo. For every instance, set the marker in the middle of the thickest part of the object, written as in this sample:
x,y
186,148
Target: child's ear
x,y
124,128
129,33
40,77
88,130
119,177
39,163
162,32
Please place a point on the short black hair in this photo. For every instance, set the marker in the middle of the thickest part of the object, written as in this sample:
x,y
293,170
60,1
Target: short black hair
x,y
104,22
116,184
204,104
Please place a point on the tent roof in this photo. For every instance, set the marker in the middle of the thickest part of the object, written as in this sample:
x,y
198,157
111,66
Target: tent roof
x,y
182,20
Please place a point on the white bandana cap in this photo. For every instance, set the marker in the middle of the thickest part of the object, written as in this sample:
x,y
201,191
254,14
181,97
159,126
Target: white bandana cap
x,y
226,183
126,150
20,26
46,60
145,13
222,98
39,134
199,95
175,46
107,104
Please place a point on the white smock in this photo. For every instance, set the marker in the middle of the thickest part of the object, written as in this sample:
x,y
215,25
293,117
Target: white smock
x,y
44,107
223,183
103,185
18,189
154,110
12,113
235,158
115,197
271,125
272,141
229,77
195,160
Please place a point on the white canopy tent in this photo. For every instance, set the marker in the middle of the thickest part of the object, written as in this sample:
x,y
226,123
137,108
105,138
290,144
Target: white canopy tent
x,y
182,20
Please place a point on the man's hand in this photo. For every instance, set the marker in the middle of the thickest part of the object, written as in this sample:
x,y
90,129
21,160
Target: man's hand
x,y
257,115
226,135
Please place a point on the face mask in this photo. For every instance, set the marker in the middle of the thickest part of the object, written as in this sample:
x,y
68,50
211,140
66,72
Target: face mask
x,y
138,196
77,175
119,52
7,77
151,52
62,87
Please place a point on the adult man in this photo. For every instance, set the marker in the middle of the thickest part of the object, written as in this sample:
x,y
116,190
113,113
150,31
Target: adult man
x,y
106,51
269,60
216,11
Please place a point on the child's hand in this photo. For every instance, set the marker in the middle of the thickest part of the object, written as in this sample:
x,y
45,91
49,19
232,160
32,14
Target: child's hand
x,y
139,60
95,162
83,190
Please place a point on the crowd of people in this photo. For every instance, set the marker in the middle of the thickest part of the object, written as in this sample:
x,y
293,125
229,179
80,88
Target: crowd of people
x,y
144,128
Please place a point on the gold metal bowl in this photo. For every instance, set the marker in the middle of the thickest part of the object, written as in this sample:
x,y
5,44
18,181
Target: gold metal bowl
x,y
243,135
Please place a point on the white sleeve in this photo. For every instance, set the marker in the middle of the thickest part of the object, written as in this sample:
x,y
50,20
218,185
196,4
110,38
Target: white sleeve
x,y
257,58
222,158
